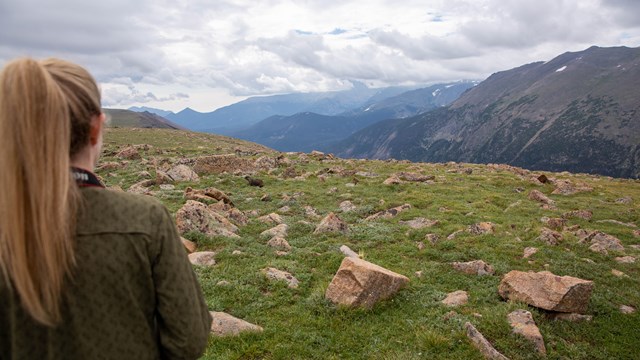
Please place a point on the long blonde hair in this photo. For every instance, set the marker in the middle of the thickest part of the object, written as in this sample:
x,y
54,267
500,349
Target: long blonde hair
x,y
45,117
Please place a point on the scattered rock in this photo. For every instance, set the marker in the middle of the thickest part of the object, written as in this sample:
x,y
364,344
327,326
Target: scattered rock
x,y
222,283
207,195
275,274
109,166
237,216
389,213
481,343
310,212
454,234
419,223
196,216
603,243
528,252
522,323
456,298
167,187
237,252
547,291
393,180
481,228
625,309
571,317
582,214
141,188
624,200
540,197
432,238
144,175
130,153
218,164
331,223
348,252
189,245
414,177
202,258
279,243
565,187
554,223
476,267
347,206
616,222
224,324
625,259
361,283
420,245
617,273
272,218
278,231
183,173
549,236
265,198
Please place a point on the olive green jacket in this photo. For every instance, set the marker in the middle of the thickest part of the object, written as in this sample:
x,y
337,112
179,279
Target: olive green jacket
x,y
132,294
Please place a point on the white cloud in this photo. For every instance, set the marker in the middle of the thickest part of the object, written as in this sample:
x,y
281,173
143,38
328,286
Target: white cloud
x,y
148,51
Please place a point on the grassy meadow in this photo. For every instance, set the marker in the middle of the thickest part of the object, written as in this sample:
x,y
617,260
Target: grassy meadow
x,y
301,324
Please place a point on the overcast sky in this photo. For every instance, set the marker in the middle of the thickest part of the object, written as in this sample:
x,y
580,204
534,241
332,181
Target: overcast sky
x,y
206,54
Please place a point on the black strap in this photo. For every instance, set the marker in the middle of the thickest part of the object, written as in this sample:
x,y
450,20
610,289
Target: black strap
x,y
85,178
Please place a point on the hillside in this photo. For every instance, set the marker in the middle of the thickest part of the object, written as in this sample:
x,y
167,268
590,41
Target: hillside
x,y
129,118
456,213
579,112
310,131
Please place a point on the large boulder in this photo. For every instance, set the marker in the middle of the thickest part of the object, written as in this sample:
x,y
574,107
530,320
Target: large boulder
x,y
361,283
547,291
196,216
224,324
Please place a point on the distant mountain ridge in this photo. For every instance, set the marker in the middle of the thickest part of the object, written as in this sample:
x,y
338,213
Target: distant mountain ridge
x,y
579,112
129,118
308,131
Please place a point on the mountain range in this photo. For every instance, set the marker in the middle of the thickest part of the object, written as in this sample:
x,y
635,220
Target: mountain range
x,y
579,112
145,119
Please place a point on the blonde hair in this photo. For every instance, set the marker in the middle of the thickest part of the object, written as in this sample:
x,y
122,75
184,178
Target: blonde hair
x,y
45,118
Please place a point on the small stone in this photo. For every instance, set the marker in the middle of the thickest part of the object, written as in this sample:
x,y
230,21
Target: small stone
x,y
456,298
285,209
571,317
272,218
275,274
549,236
419,223
624,200
331,224
348,252
183,173
265,197
636,233
625,309
481,228
167,187
130,153
432,238
582,214
189,245
226,325
420,245
279,243
540,197
310,212
481,343
202,258
237,252
476,267
279,231
554,223
389,213
393,180
522,323
625,259
281,253
603,243
528,252
450,315
222,283
347,206
617,273
418,273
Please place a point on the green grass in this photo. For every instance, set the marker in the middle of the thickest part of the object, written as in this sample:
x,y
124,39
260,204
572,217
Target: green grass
x,y
301,324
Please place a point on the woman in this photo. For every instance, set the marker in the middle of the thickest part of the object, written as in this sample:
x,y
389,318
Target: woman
x,y
86,273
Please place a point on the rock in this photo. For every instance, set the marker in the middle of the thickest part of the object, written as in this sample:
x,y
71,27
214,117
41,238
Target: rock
x,y
237,252
481,228
547,291
265,163
554,223
625,259
189,245
330,224
202,258
278,231
359,283
454,234
167,187
582,214
144,175
572,317
540,197
141,188
272,218
222,283
275,274
218,164
522,323
414,177
196,216
476,267
207,195
130,153
279,243
265,198
480,343
224,324
528,252
456,298
624,200
432,238
310,212
183,173
549,236
285,209
109,166
389,213
237,216
420,245
617,273
603,243
393,180
625,309
617,222
565,187
348,252
347,206
419,223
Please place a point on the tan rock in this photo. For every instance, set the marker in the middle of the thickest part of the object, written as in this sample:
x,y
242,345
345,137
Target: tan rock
x,y
540,197
481,228
522,323
566,187
279,243
389,213
331,224
347,206
130,153
454,234
603,243
272,218
571,317
224,324
218,164
624,200
482,344
547,291
476,267
208,195
393,180
528,252
277,231
203,258
196,216
582,214
348,252
419,223
549,236
189,245
183,173
237,216
625,309
414,177
361,283
554,223
275,274
432,238
625,259
456,298
617,273
141,188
